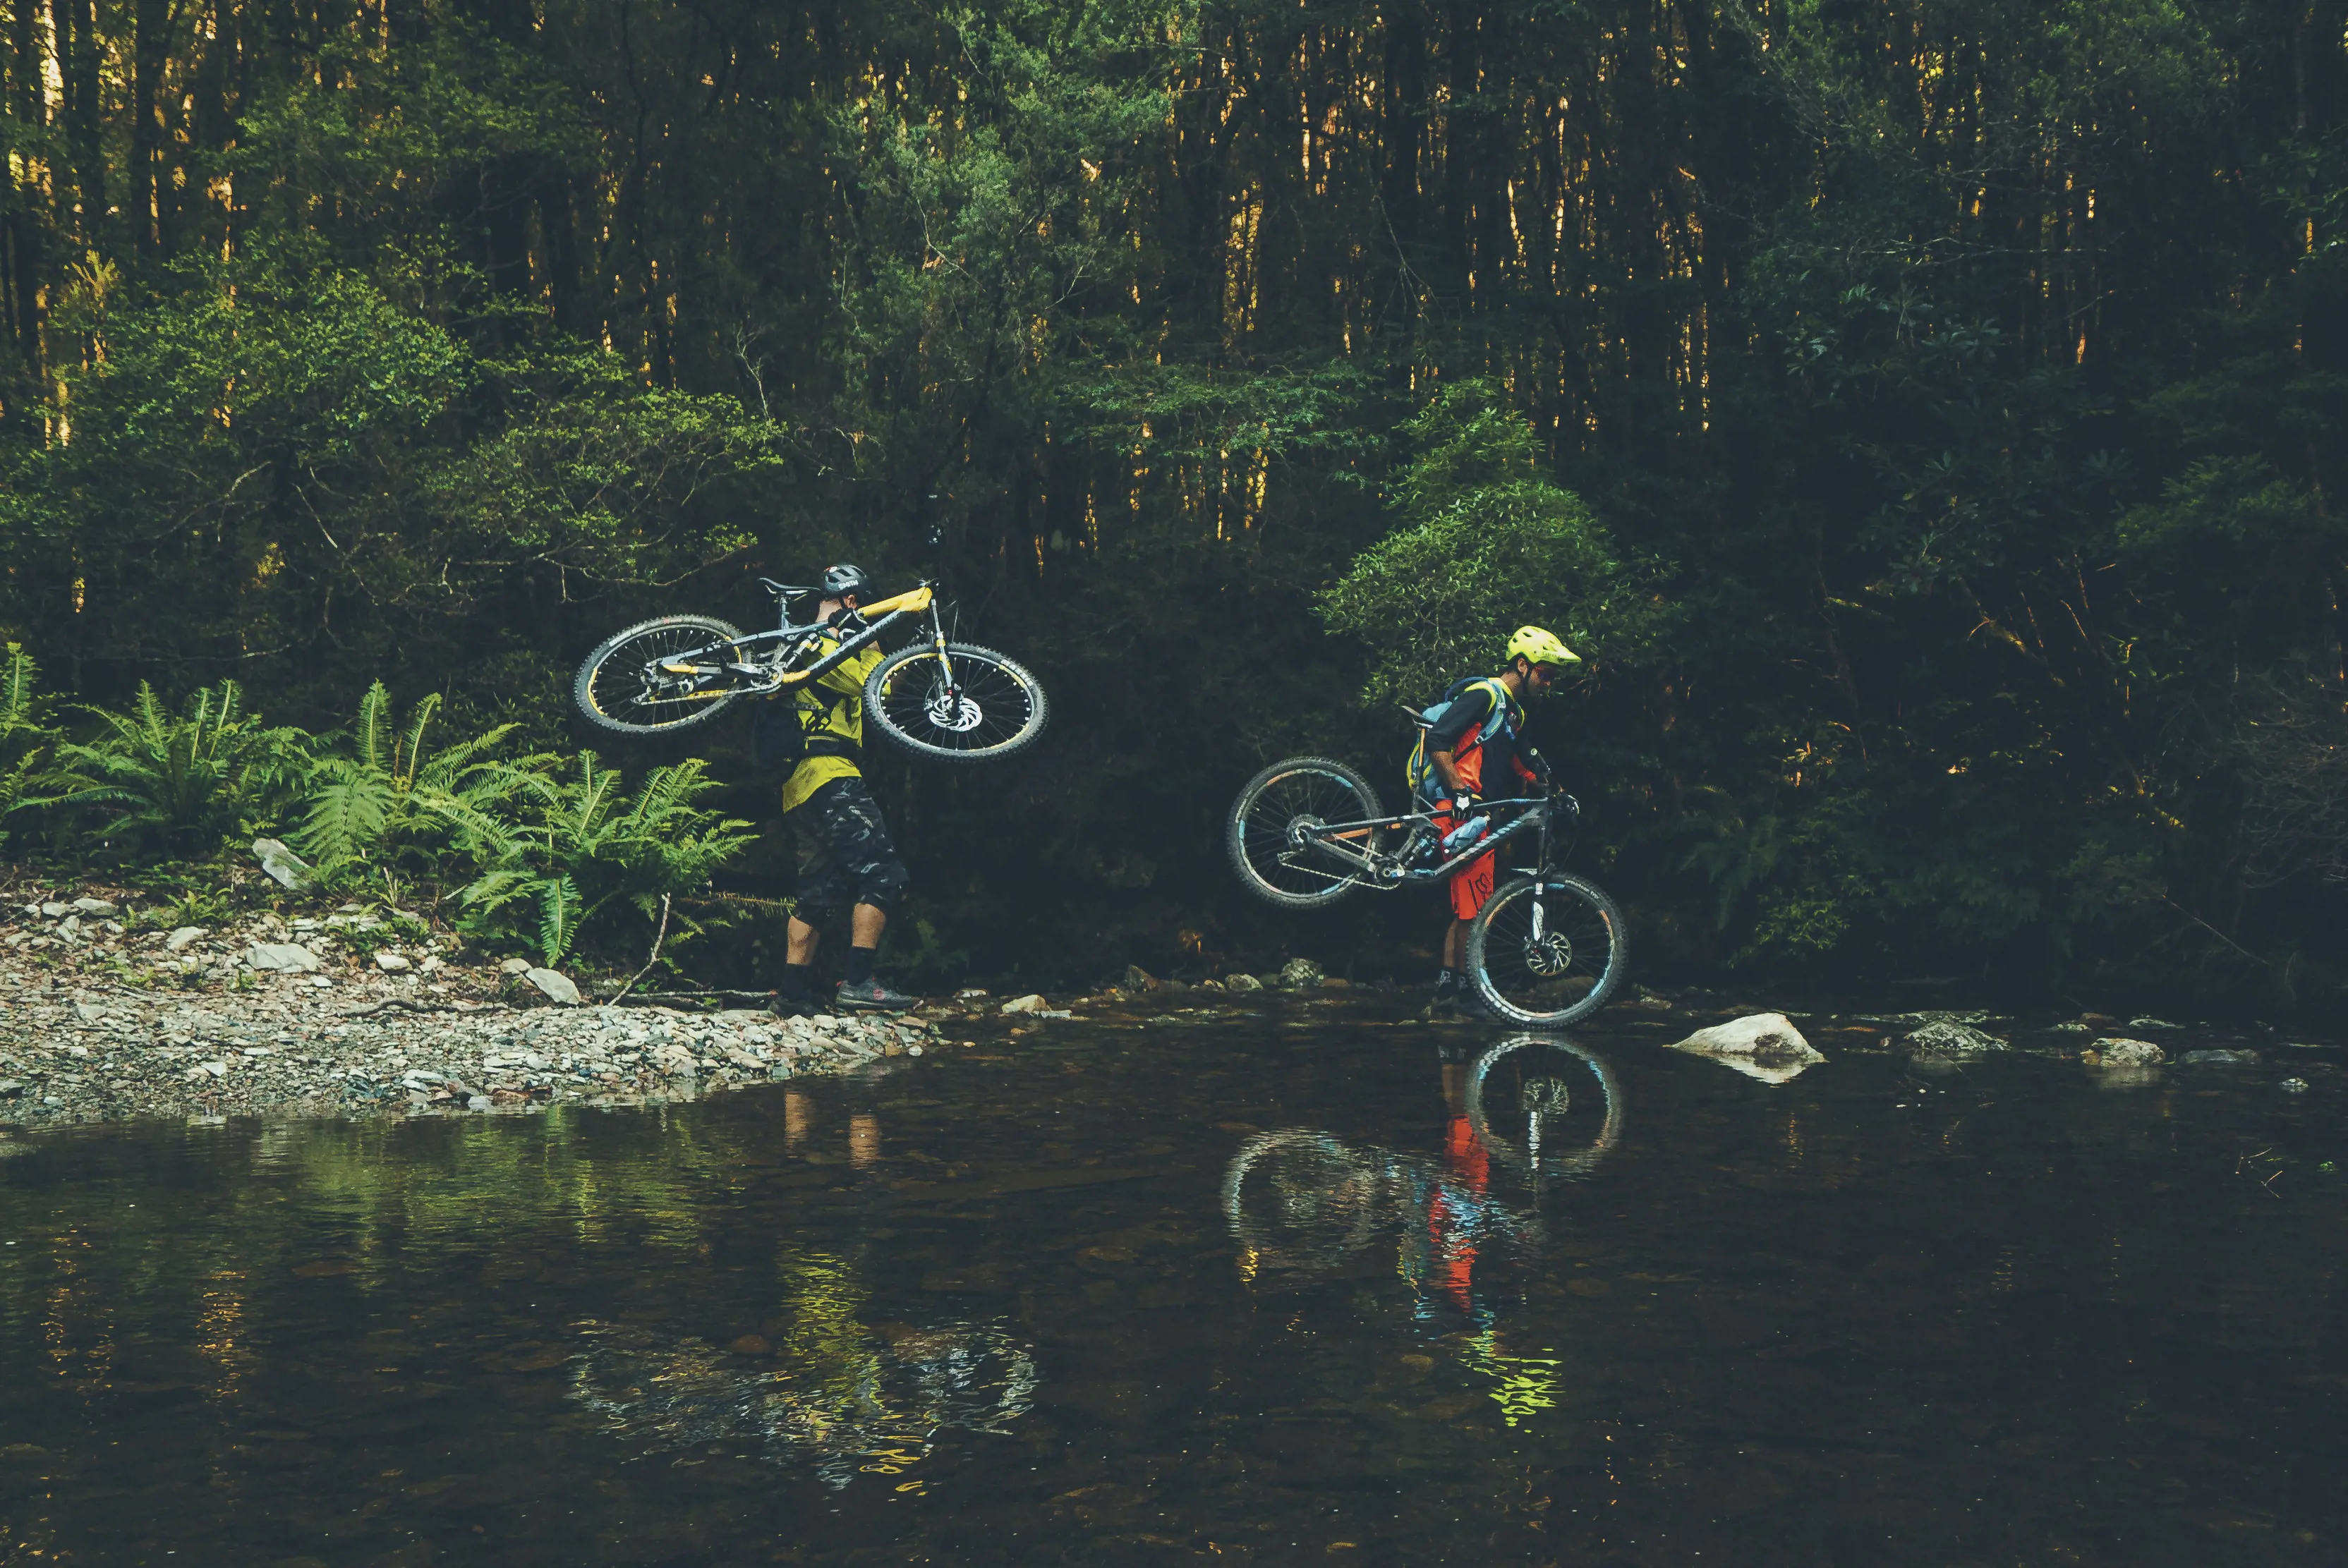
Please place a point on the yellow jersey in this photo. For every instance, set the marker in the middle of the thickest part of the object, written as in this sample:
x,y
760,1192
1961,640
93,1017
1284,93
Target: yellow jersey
x,y
830,706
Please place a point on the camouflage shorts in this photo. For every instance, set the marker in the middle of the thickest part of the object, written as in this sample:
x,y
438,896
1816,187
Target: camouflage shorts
x,y
845,855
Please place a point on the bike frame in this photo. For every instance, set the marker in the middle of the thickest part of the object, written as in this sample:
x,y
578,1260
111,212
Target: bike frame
x,y
773,673
1386,872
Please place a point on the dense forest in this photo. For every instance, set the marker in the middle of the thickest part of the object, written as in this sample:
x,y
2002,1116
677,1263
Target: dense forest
x,y
1921,415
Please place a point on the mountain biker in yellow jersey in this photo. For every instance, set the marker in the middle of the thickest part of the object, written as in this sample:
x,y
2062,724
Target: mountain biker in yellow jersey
x,y
1474,746
845,857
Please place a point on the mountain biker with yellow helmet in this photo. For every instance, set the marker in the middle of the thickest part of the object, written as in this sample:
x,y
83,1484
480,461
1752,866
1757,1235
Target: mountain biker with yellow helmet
x,y
1473,745
847,862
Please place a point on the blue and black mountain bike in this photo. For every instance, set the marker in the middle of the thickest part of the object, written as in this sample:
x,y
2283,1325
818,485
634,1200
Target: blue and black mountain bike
x,y
1547,949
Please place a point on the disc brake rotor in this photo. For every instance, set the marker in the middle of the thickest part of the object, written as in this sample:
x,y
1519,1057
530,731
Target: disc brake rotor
x,y
1548,957
953,711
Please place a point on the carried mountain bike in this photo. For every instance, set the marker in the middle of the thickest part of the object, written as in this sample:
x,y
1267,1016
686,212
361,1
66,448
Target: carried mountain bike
x,y
1547,949
939,698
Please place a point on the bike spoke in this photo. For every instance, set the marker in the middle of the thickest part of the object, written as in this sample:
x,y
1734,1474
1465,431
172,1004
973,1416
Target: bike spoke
x,y
982,707
1304,796
1558,970
629,685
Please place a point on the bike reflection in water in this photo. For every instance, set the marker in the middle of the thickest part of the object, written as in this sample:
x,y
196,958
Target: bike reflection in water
x,y
1303,1205
829,1391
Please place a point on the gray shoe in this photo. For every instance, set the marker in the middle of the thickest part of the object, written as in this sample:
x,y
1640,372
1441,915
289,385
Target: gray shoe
x,y
872,996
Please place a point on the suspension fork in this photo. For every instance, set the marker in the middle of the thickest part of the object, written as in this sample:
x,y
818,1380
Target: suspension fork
x,y
938,642
1540,871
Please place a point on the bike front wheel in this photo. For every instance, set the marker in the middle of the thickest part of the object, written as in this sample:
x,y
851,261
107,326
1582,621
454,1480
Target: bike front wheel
x,y
626,686
970,703
1269,833
1547,950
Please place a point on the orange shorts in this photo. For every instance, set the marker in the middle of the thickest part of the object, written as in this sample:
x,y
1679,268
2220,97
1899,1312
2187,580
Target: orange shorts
x,y
1471,887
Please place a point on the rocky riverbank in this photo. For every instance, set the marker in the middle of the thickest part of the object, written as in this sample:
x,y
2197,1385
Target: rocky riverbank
x,y
107,1013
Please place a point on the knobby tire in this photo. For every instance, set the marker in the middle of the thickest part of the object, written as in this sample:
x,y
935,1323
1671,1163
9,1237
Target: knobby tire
x,y
1499,940
1315,787
602,685
1003,705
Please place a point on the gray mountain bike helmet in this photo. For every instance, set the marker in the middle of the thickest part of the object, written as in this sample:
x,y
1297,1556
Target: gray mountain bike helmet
x,y
845,579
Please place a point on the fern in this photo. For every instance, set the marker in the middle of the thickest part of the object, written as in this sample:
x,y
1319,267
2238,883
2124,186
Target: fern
x,y
184,781
381,796
576,851
24,733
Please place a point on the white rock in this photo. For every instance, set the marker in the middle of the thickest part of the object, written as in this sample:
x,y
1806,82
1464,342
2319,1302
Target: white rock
x,y
2150,1023
1031,1002
1298,973
391,963
95,908
554,985
283,958
2129,1053
53,910
179,940
513,967
1763,1045
1241,983
431,964
281,864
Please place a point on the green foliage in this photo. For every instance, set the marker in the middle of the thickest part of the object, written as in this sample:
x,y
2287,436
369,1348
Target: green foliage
x,y
376,795
583,850
176,783
1487,543
26,735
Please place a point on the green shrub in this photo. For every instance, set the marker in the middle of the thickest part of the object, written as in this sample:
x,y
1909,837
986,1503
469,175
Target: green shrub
x,y
583,852
181,783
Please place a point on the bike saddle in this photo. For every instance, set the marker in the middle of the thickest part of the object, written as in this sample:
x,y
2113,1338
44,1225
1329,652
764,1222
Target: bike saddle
x,y
783,590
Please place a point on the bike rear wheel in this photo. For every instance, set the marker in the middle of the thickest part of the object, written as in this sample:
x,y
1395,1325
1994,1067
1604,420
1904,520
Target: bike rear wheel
x,y
971,704
1547,951
622,688
1274,862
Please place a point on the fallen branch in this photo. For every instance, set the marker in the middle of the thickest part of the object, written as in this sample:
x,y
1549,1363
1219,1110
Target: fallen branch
x,y
422,1007
642,999
658,938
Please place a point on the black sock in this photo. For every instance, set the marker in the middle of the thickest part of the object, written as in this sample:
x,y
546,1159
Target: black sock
x,y
859,965
799,979
1446,980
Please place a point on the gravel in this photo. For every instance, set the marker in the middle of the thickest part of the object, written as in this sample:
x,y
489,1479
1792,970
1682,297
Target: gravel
x,y
104,1017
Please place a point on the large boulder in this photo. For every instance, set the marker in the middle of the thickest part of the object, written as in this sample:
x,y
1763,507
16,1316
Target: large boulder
x,y
2129,1053
1763,1045
1241,983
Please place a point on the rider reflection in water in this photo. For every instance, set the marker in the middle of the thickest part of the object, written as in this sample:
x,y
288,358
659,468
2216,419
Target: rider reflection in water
x,y
1449,1222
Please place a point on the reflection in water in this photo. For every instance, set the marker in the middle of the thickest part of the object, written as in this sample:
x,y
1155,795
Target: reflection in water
x,y
868,1402
1302,1204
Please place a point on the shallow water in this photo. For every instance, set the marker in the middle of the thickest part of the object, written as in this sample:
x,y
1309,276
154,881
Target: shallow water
x,y
1271,1289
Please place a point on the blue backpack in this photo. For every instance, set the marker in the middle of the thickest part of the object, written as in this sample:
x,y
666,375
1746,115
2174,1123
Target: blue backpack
x,y
1424,784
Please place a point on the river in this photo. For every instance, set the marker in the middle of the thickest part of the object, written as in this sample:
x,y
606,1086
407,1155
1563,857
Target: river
x,y
1304,1285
